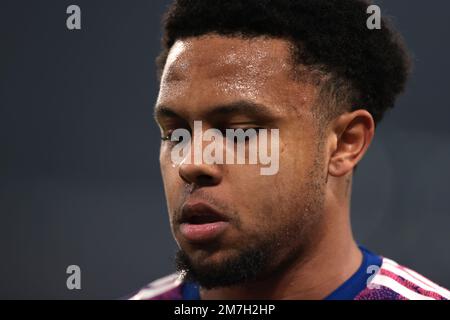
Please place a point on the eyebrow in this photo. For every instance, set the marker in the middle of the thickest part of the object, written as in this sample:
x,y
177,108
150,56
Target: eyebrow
x,y
242,107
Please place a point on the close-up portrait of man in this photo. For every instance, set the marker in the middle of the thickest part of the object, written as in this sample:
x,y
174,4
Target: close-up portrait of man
x,y
313,70
225,150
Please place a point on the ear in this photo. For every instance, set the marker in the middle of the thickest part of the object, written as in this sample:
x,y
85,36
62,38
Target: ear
x,y
352,132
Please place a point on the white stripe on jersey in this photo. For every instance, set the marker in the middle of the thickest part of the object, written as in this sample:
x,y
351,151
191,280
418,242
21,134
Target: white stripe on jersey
x,y
411,276
158,287
390,283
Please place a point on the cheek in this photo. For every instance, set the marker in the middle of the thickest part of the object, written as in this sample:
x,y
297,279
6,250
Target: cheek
x,y
262,196
165,171
164,155
297,154
254,197
170,176
286,189
168,168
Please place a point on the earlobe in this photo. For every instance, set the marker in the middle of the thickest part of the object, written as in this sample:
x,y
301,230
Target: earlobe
x,y
336,168
354,132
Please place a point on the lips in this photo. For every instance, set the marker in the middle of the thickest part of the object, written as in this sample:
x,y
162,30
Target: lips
x,y
200,222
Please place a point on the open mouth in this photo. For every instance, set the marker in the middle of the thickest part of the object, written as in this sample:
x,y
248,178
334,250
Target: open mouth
x,y
203,218
201,223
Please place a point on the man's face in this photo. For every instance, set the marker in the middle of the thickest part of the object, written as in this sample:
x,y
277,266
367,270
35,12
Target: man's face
x,y
270,219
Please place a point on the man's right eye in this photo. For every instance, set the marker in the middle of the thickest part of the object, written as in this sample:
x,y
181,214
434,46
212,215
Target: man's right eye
x,y
168,137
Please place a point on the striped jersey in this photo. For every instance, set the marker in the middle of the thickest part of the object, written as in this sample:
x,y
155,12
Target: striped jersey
x,y
378,278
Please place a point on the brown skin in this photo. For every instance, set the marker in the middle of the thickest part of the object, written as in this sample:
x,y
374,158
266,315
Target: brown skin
x,y
305,205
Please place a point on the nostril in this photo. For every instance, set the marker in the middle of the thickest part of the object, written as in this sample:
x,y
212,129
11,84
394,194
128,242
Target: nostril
x,y
200,175
205,180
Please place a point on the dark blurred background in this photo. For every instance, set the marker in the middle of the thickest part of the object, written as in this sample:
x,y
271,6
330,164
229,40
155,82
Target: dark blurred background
x,y
79,172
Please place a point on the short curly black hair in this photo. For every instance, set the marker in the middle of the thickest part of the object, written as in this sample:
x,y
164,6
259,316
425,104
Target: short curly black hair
x,y
358,67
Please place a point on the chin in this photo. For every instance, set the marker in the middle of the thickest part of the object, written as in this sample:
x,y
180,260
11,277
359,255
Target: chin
x,y
208,256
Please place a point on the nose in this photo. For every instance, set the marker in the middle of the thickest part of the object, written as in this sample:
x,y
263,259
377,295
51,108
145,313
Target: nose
x,y
200,174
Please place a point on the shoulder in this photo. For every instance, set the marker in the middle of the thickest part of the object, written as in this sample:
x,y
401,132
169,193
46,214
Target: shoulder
x,y
166,288
393,281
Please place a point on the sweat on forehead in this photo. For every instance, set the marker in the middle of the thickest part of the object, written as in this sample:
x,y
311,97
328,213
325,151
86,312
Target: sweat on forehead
x,y
224,56
217,69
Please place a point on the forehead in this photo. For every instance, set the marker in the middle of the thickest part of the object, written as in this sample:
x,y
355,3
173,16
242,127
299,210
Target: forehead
x,y
221,56
215,69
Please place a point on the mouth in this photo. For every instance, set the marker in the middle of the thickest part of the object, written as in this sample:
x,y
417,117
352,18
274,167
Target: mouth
x,y
202,223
